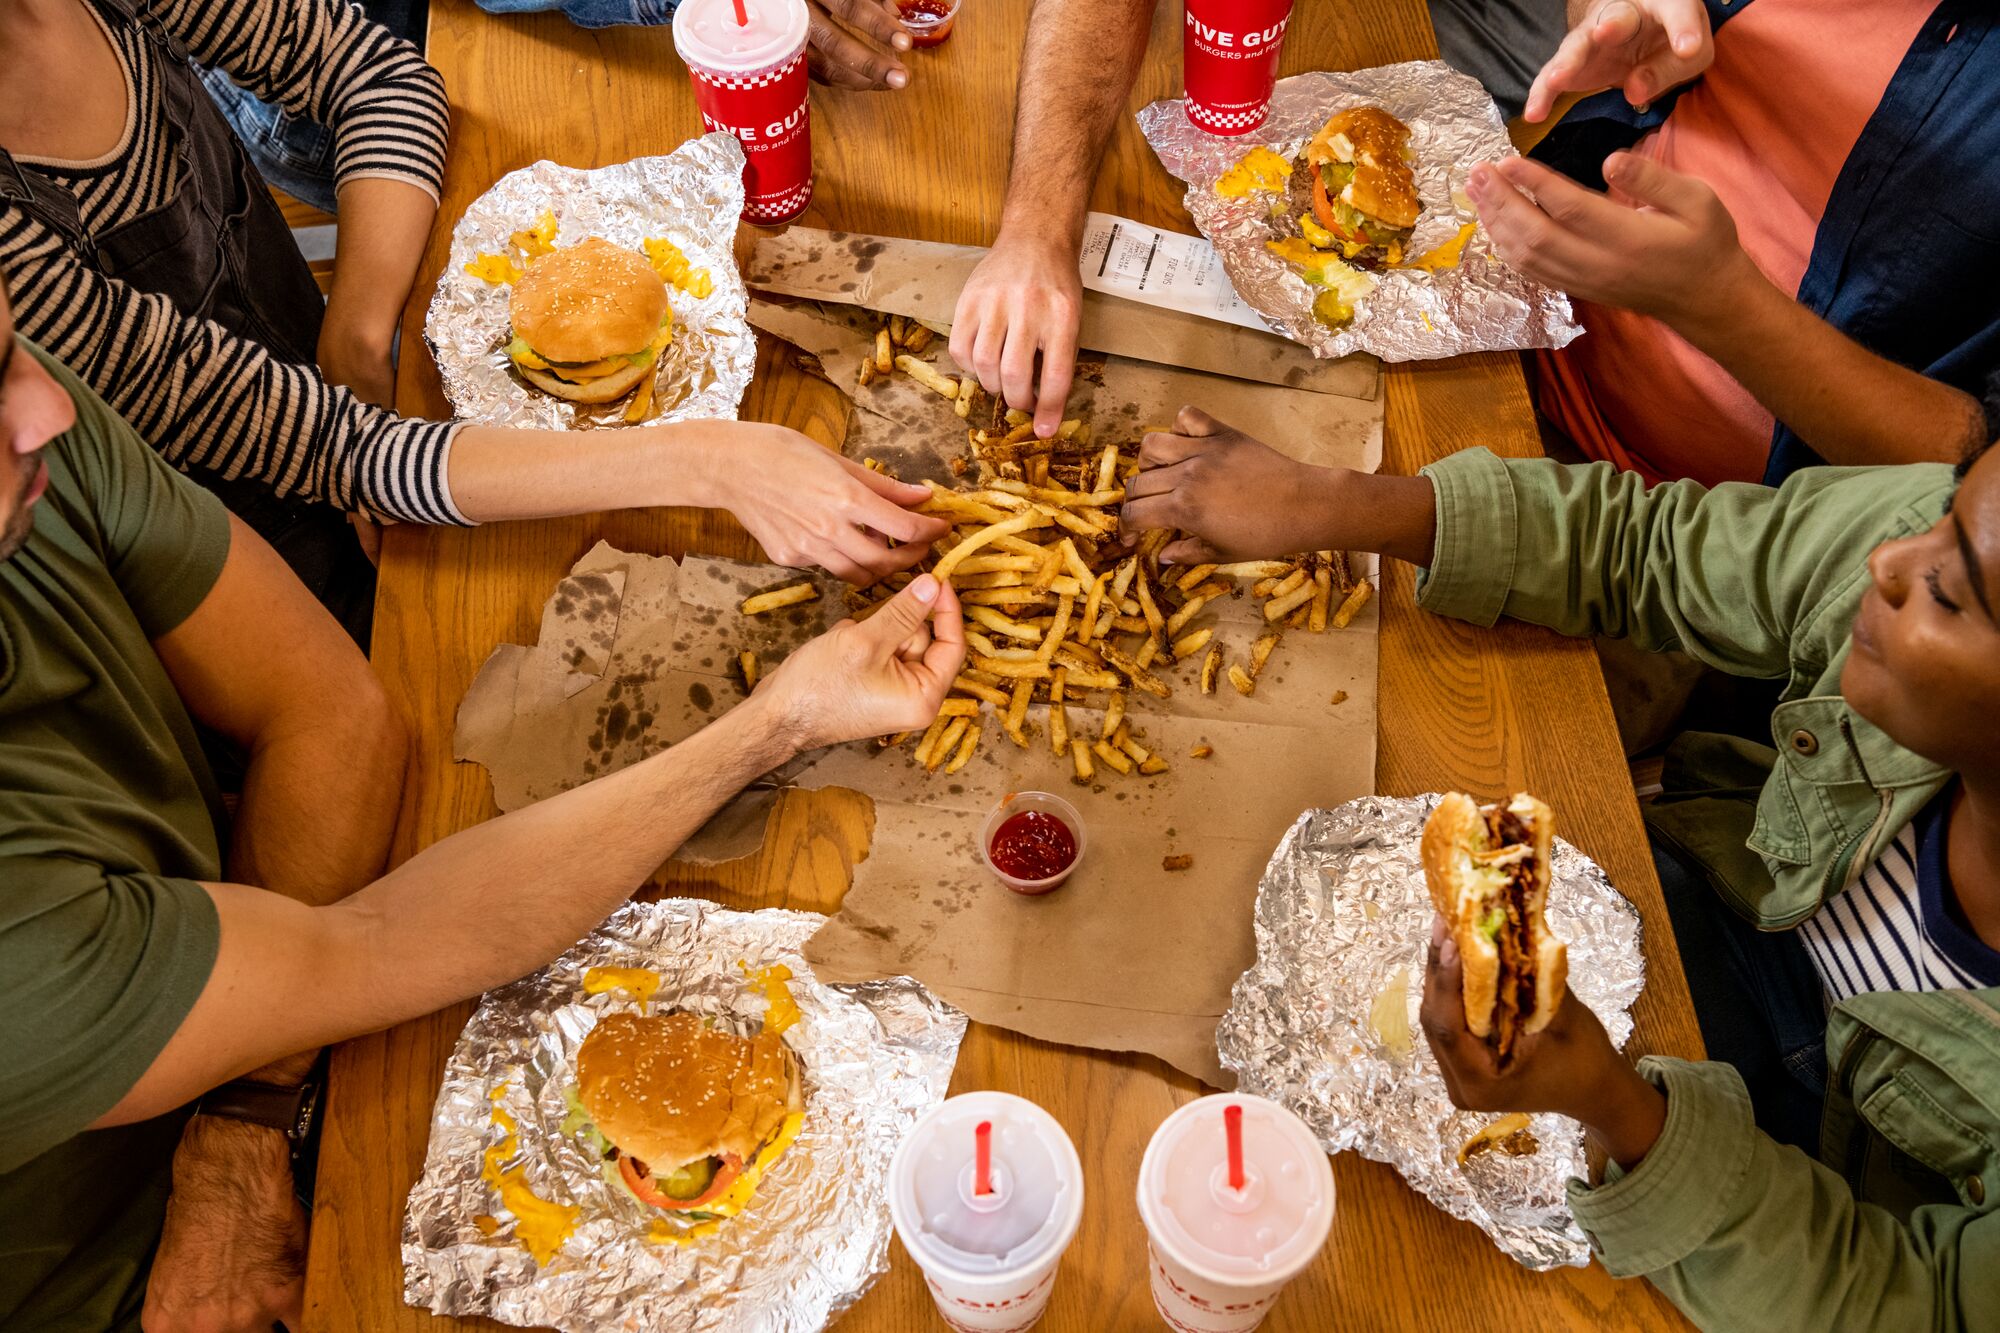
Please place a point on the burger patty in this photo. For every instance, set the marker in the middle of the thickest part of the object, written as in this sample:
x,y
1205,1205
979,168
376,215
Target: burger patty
x,y
1517,978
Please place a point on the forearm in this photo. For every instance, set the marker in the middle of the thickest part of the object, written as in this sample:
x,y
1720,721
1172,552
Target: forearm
x,y
384,224
1078,65
500,473
550,871
1852,406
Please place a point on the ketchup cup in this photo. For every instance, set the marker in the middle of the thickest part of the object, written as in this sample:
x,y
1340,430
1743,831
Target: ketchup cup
x,y
1038,803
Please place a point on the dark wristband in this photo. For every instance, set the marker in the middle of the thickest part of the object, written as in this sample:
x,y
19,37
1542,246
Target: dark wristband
x,y
289,1110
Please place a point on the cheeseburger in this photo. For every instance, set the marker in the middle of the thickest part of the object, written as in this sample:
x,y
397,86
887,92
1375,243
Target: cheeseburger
x,y
685,1117
589,323
1488,871
1363,192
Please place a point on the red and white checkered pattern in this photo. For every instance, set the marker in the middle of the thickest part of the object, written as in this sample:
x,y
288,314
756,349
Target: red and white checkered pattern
x,y
770,76
1225,122
782,209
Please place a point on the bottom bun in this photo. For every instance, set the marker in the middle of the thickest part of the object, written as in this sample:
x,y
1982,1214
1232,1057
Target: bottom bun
x,y
608,389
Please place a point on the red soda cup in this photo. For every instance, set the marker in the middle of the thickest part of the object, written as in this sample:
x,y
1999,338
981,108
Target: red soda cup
x,y
747,59
1229,61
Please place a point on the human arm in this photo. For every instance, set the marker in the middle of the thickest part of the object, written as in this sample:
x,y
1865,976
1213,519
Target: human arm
x,y
1725,575
323,779
494,901
804,504
384,224
1644,47
1738,1230
1672,253
1078,66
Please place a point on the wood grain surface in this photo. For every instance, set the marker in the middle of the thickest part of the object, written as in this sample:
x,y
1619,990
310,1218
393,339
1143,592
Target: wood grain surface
x,y
1488,711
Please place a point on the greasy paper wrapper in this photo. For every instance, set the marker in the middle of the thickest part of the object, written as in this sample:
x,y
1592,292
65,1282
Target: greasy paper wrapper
x,y
1342,908
691,197
1480,305
875,1057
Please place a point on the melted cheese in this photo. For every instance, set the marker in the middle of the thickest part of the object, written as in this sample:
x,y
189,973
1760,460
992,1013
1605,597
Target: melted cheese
x,y
1261,169
496,269
1448,255
673,267
540,1226
784,1010
734,1199
537,240
639,982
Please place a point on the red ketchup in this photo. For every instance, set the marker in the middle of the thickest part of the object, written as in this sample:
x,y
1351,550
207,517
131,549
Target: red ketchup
x,y
927,21
1033,846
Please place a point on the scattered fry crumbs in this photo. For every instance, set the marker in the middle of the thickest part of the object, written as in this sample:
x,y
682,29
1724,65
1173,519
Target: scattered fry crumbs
x,y
1180,862
1201,752
1339,697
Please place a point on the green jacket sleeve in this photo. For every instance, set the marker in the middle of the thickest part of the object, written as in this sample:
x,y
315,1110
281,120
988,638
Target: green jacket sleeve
x,y
1742,1232
1724,575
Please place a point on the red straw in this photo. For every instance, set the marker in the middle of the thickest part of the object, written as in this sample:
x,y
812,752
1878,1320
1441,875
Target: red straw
x,y
982,1180
742,19
1232,1122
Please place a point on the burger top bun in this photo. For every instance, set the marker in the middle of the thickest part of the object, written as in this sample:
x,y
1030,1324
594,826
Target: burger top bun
x,y
587,302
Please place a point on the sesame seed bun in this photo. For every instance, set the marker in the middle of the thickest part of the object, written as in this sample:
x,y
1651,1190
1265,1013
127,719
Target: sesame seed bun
x,y
587,302
669,1090
1377,144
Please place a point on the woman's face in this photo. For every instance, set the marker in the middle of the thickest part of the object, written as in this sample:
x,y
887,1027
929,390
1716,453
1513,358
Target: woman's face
x,y
1926,661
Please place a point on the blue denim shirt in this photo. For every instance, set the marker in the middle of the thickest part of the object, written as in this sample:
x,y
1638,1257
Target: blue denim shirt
x,y
1907,257
591,13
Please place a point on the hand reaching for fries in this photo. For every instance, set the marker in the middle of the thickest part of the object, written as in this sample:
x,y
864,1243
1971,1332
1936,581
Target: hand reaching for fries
x,y
1024,299
1235,498
887,673
807,505
839,59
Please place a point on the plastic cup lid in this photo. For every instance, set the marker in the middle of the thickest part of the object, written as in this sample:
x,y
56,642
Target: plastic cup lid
x,y
1265,1232
1030,1214
706,33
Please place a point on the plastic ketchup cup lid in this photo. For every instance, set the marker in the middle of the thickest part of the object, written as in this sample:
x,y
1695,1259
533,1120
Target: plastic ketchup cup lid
x,y
1032,1211
706,33
1264,1233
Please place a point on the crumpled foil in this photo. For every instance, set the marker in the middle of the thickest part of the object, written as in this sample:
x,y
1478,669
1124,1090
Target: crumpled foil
x,y
1481,305
691,197
875,1056
1341,911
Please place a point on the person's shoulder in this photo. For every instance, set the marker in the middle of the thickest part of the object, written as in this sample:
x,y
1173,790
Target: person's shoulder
x,y
1887,497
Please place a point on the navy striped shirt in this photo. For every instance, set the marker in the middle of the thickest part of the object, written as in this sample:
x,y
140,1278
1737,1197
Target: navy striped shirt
x,y
198,393
1899,927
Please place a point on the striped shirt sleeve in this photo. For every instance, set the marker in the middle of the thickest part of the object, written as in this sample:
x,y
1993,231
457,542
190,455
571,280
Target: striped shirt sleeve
x,y
327,61
202,396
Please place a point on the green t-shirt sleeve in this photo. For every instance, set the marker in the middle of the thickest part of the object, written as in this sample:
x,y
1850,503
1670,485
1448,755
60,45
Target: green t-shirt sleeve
x,y
97,971
165,539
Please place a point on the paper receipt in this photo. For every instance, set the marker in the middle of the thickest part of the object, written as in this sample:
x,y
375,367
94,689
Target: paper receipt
x,y
1160,268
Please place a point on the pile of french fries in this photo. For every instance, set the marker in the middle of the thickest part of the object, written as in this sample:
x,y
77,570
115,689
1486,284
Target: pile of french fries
x,y
1058,612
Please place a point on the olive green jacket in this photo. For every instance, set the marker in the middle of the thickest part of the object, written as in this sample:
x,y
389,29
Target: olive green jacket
x,y
1898,1224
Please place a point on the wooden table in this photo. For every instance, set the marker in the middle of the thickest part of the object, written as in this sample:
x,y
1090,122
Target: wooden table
x,y
1483,710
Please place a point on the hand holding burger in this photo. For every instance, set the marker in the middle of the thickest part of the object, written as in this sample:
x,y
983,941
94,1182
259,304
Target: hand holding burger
x,y
1494,1010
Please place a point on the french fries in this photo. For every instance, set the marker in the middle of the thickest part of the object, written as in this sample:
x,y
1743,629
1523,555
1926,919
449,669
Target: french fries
x,y
923,373
746,661
1058,611
779,598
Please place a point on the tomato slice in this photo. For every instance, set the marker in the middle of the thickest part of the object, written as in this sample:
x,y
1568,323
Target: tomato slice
x,y
1323,205
726,1171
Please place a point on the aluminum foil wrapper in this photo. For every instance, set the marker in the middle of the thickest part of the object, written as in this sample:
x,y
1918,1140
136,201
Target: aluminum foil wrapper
x,y
1480,305
692,197
1342,916
875,1056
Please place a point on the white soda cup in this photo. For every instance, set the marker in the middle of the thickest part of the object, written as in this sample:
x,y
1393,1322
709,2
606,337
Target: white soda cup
x,y
989,1260
1219,1256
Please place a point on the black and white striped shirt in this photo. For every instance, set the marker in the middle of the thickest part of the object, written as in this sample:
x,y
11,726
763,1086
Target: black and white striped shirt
x,y
200,394
1897,927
